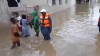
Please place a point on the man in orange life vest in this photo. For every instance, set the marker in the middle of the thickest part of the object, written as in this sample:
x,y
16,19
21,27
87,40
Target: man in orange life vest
x,y
46,24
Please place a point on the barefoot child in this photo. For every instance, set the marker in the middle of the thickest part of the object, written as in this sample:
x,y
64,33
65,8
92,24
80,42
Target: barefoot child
x,y
14,33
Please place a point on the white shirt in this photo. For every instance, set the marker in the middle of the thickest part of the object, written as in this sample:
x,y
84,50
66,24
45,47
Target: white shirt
x,y
19,18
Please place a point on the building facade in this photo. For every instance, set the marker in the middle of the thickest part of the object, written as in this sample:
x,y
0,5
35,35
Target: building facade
x,y
49,5
52,6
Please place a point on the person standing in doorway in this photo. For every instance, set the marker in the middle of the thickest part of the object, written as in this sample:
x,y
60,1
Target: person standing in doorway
x,y
46,24
36,23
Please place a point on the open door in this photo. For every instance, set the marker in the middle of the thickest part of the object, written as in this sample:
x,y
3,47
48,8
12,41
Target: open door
x,y
13,3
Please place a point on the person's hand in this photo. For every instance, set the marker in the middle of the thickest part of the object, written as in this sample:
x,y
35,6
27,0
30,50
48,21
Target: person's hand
x,y
16,34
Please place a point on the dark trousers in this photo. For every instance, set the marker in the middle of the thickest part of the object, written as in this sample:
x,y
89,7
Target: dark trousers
x,y
47,37
46,33
37,34
99,29
30,23
16,43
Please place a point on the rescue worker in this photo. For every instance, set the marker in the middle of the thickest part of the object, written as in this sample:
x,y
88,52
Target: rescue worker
x,y
46,24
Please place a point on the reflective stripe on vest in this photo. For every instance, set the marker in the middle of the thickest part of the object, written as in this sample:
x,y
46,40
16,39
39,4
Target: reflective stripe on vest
x,y
46,22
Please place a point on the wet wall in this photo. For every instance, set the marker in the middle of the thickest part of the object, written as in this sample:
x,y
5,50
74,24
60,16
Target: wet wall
x,y
4,17
45,3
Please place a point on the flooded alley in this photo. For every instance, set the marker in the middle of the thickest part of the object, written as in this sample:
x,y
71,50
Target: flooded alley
x,y
75,33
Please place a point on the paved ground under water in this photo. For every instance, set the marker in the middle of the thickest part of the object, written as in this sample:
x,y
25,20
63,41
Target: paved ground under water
x,y
75,33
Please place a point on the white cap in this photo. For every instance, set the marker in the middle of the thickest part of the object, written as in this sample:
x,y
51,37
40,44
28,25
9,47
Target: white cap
x,y
43,10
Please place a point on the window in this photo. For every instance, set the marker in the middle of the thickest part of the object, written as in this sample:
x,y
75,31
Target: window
x,y
66,1
13,3
53,2
60,2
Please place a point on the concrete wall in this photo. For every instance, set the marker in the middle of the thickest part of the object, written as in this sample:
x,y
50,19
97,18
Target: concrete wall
x,y
4,17
44,3
3,11
31,3
57,7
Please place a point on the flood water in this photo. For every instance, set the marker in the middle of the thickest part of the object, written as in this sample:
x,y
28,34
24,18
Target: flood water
x,y
75,33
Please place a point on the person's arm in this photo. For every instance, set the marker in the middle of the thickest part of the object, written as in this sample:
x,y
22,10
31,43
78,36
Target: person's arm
x,y
50,20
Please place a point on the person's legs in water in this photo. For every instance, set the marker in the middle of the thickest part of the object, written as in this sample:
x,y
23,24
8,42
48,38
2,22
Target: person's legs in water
x,y
18,43
27,33
14,45
30,24
37,34
23,31
47,37
37,31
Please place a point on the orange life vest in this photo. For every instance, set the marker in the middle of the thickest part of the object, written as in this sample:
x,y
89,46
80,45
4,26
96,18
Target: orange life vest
x,y
46,22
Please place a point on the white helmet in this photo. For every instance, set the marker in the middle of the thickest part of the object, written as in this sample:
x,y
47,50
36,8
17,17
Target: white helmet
x,y
43,10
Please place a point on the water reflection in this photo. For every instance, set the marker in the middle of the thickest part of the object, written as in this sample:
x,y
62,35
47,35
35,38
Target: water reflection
x,y
82,8
46,48
98,45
